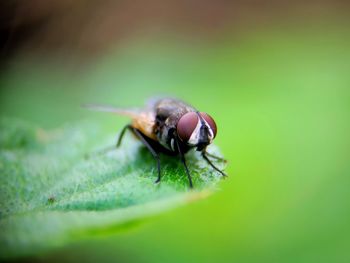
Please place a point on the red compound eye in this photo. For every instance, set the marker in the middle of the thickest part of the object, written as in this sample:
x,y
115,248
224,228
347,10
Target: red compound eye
x,y
210,121
186,125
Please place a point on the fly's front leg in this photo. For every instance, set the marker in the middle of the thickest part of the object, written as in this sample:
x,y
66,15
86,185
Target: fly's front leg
x,y
211,164
182,156
149,147
215,157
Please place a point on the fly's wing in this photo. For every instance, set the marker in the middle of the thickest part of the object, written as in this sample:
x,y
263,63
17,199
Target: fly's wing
x,y
132,113
142,120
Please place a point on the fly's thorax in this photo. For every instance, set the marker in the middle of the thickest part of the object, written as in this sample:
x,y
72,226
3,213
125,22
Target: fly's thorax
x,y
165,134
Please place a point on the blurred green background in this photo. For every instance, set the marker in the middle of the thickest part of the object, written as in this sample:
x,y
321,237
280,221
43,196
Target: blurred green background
x,y
279,92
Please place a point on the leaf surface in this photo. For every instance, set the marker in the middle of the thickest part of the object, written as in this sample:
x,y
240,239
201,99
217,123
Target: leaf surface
x,y
52,194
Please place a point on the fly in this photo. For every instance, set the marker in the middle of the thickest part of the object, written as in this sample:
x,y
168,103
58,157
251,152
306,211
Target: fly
x,y
169,126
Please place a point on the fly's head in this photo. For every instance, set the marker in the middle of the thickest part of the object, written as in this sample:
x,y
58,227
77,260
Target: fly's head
x,y
196,129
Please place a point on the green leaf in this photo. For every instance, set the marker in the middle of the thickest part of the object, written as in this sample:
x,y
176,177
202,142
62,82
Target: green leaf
x,y
51,194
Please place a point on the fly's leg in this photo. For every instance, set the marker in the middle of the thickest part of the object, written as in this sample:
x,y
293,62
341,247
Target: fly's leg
x,y
182,156
215,157
121,136
149,147
211,164
112,147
